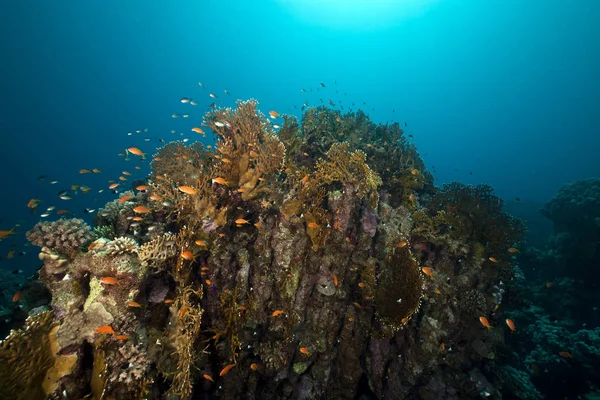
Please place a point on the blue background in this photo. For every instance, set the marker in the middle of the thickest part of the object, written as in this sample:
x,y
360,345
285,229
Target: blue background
x,y
505,90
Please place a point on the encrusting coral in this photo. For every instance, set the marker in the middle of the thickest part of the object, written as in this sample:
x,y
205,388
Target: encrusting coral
x,y
312,262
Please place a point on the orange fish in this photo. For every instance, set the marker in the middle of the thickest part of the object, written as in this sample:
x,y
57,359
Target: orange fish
x,y
96,171
105,329
220,181
305,179
414,171
276,313
168,301
122,178
5,234
273,114
207,377
226,160
361,284
114,185
313,225
127,173
204,268
442,347
241,221
304,351
122,337
357,305
198,130
242,308
401,244
485,322
141,210
138,167
511,324
254,366
200,242
33,203
565,354
123,199
136,152
188,190
10,254
62,212
427,271
134,304
137,219
187,255
404,320
549,284
17,296
155,198
108,280
512,250
226,369
335,280
142,187
84,171
493,259
437,291
208,282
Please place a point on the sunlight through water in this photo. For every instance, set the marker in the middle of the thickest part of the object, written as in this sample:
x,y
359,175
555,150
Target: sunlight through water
x,y
357,15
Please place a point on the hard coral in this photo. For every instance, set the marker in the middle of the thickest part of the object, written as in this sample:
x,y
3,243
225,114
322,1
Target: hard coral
x,y
64,236
343,166
180,163
576,209
25,357
250,151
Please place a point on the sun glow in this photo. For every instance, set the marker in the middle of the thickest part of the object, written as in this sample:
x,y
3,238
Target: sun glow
x,y
357,14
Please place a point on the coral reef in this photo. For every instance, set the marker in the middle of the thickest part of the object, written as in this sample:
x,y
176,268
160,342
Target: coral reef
x,y
315,262
64,236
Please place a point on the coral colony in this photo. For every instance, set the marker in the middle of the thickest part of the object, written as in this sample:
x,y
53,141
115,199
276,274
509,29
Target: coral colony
x,y
315,262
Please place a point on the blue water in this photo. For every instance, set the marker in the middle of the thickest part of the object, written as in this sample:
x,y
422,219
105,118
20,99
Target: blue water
x,y
499,92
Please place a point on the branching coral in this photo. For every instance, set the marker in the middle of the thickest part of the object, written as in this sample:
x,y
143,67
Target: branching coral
x,y
64,235
180,163
187,330
343,166
25,357
158,250
473,214
250,153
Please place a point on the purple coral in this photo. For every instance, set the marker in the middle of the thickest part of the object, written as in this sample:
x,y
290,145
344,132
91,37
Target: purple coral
x,y
64,235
